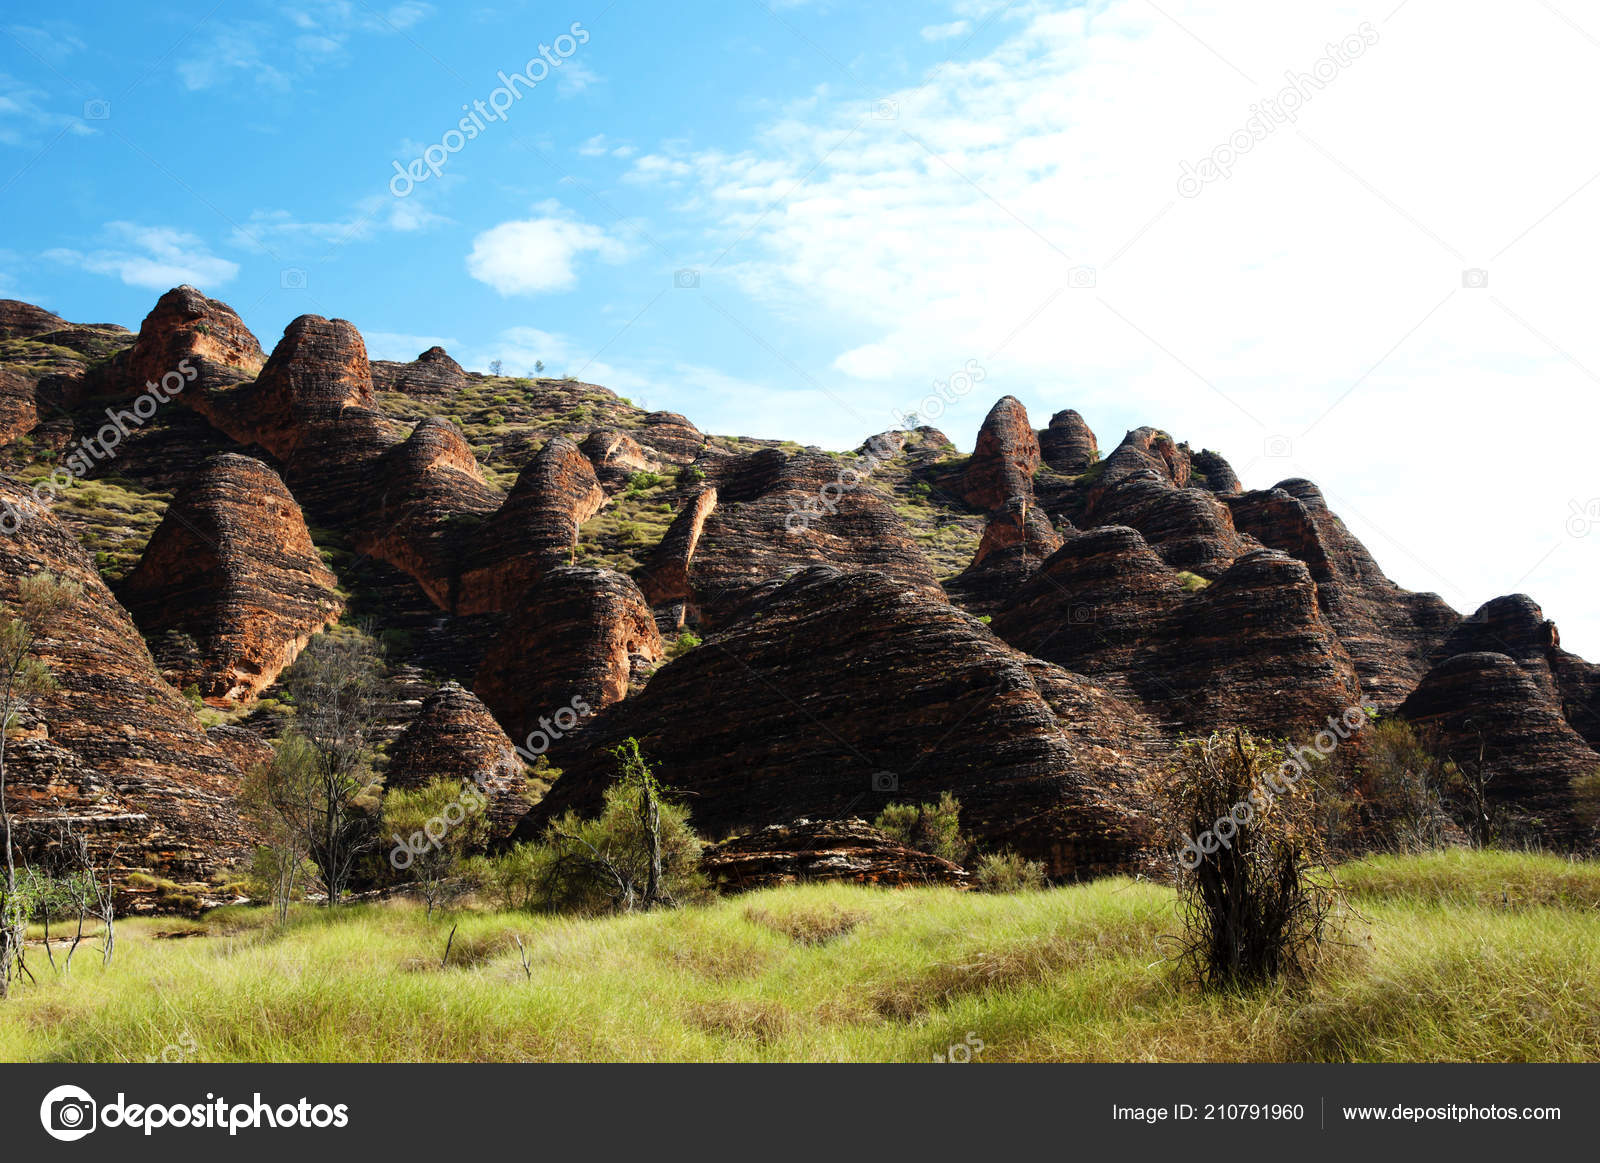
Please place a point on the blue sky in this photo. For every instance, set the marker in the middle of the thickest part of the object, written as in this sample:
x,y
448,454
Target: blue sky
x,y
870,198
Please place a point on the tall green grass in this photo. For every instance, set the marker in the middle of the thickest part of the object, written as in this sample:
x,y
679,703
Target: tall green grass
x,y
1457,956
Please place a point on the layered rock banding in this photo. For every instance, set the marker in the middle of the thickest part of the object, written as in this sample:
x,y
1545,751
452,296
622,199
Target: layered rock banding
x,y
765,515
578,638
113,750
839,851
232,569
455,737
1004,459
1133,598
856,689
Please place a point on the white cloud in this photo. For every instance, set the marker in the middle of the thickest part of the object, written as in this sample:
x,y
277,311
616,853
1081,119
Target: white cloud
x,y
1323,276
655,167
272,55
948,31
271,230
154,257
574,77
537,255
24,119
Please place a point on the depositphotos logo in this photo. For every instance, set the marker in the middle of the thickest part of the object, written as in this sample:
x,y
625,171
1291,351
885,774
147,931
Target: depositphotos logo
x,y
70,1112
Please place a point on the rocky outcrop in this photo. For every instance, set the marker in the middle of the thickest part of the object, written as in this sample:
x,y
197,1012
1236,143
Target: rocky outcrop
x,y
849,690
1391,633
433,375
19,320
773,514
841,851
317,371
1004,458
1144,448
231,570
455,737
578,636
665,578
1251,649
672,437
1210,471
616,456
186,327
1190,528
429,503
19,404
1095,605
114,751
1486,704
534,531
1015,542
1068,445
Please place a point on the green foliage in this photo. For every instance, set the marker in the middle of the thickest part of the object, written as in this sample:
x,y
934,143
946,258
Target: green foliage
x,y
1586,798
609,863
1192,582
433,828
643,481
691,475
931,828
192,693
686,641
1008,872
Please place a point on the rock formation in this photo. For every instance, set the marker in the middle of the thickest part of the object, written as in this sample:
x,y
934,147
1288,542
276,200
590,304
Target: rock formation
x,y
578,637
113,750
1068,445
1250,649
1490,712
855,690
433,375
849,851
233,571
1004,459
455,737
534,531
765,515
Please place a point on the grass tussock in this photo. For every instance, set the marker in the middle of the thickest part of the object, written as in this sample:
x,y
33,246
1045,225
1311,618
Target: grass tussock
x,y
1453,956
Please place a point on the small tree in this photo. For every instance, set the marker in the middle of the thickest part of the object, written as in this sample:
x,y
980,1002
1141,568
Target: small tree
x,y
638,853
434,827
320,783
1251,870
41,598
494,367
279,863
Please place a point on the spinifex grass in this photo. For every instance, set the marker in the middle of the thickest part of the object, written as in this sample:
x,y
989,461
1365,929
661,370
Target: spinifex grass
x,y
1485,956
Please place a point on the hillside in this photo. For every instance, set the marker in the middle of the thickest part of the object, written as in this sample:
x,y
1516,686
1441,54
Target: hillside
x,y
1029,627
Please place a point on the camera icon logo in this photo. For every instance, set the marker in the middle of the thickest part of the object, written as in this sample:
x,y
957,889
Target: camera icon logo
x,y
1081,615
96,109
1475,278
292,279
1582,519
68,1113
886,110
885,781
1082,278
1277,447
686,279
